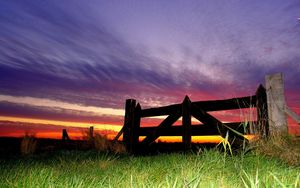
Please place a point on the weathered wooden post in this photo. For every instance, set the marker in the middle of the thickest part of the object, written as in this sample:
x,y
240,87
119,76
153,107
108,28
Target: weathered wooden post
x,y
276,104
186,123
262,127
65,138
91,133
129,127
65,135
135,128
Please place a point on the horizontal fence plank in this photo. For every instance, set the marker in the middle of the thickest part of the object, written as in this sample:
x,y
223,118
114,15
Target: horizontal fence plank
x,y
215,105
196,130
228,104
161,111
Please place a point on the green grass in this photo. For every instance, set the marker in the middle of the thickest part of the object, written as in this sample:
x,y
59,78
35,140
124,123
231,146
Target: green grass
x,y
97,169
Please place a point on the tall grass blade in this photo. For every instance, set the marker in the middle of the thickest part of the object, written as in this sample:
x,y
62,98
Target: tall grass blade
x,y
297,180
277,180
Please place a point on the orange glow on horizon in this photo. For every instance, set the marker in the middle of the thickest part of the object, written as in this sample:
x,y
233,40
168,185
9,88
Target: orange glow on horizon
x,y
62,123
195,139
168,139
99,128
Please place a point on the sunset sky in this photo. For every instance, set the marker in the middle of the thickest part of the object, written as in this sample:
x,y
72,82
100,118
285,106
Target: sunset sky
x,y
74,63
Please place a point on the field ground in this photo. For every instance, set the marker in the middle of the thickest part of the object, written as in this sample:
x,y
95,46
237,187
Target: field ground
x,y
208,168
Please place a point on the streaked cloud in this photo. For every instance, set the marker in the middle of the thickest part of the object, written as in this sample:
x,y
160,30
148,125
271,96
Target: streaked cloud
x,y
40,102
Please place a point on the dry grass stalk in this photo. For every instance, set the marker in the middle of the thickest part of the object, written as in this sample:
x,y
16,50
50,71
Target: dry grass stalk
x,y
118,148
103,144
28,144
284,147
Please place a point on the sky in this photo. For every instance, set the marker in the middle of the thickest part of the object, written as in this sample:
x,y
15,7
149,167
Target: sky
x,y
74,63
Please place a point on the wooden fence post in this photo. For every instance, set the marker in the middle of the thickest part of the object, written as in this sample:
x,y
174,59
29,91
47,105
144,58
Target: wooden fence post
x,y
129,124
276,104
91,133
262,127
135,129
65,135
186,123
65,138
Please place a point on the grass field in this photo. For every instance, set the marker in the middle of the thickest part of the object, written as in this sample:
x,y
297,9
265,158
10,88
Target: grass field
x,y
209,168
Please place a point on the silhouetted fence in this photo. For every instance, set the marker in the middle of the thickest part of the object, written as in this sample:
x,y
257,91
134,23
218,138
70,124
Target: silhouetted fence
x,y
199,110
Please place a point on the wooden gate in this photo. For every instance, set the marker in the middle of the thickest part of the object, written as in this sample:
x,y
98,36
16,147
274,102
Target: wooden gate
x,y
199,110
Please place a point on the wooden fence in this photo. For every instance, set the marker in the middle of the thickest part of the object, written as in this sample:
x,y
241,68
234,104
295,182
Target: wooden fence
x,y
199,110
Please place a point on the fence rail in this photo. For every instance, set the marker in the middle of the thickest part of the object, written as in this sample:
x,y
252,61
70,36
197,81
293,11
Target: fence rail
x,y
196,130
215,105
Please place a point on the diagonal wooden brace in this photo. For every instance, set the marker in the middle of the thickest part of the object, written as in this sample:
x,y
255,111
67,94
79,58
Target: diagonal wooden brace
x,y
166,123
216,124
